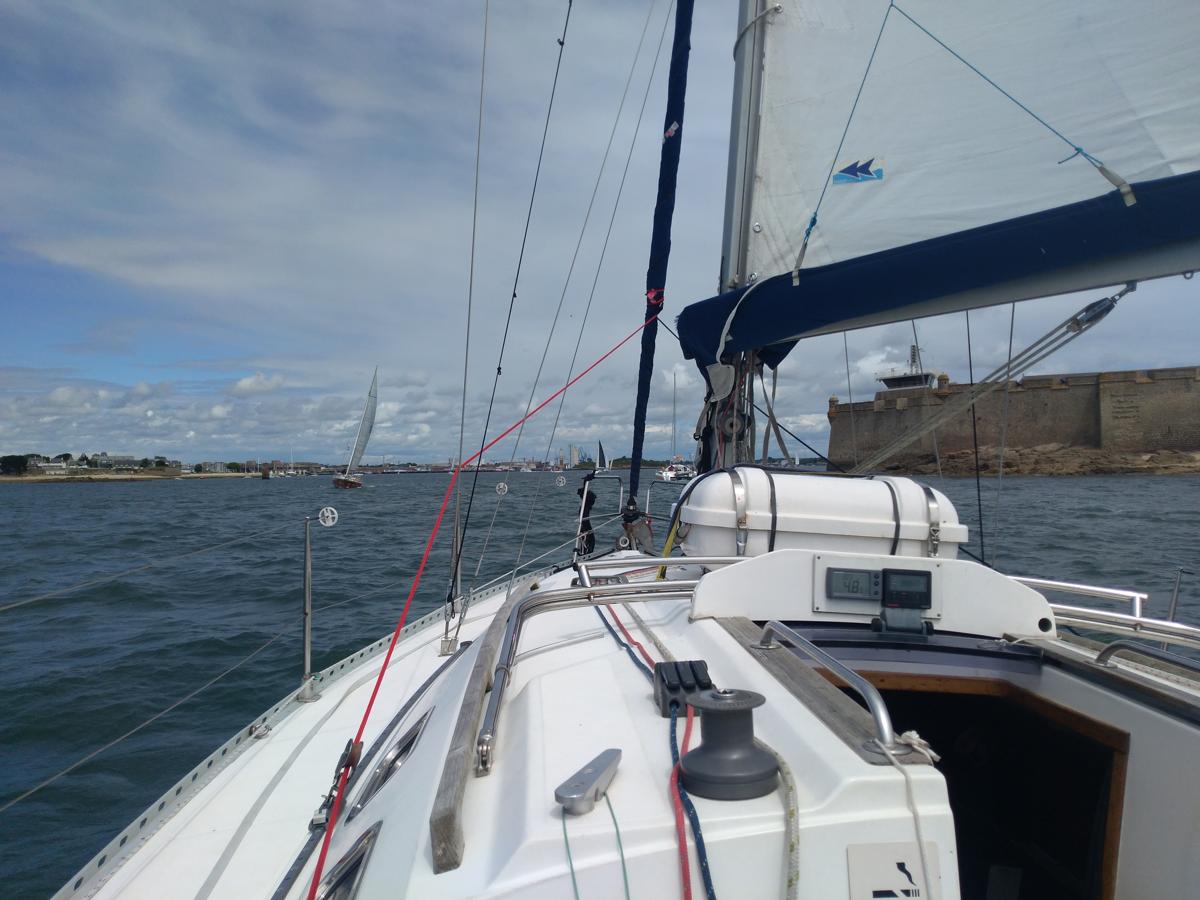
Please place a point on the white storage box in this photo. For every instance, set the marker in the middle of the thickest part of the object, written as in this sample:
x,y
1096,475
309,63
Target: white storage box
x,y
730,514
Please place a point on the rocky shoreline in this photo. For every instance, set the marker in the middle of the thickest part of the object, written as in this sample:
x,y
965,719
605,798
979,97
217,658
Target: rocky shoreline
x,y
1052,459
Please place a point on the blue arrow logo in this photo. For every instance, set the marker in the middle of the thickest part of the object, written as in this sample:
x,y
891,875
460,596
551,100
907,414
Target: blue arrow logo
x,y
857,172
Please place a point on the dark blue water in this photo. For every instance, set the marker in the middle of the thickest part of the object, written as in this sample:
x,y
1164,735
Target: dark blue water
x,y
79,670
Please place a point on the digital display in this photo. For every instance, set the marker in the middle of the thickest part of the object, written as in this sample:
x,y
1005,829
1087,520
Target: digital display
x,y
907,589
852,584
908,582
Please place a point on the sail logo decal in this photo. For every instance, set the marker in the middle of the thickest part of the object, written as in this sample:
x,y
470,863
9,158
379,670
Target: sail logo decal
x,y
856,172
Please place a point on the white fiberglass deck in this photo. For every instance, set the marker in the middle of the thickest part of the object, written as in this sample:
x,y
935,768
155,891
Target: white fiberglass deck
x,y
573,693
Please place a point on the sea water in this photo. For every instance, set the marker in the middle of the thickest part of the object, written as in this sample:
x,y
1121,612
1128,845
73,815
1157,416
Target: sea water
x,y
220,572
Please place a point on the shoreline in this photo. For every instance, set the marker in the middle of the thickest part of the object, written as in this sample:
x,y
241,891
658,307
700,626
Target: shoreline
x,y
1052,459
94,478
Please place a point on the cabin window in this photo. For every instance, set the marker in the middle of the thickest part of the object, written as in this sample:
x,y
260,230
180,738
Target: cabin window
x,y
392,760
343,880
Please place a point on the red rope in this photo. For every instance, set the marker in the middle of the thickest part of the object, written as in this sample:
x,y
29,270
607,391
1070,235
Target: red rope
x,y
685,869
437,524
631,639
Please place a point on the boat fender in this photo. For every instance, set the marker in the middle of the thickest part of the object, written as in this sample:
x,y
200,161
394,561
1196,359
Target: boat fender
x,y
728,764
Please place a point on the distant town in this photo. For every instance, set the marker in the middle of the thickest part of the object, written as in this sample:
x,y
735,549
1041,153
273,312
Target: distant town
x,y
104,465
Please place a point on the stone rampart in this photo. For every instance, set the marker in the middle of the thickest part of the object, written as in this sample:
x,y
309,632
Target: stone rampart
x,y
1135,411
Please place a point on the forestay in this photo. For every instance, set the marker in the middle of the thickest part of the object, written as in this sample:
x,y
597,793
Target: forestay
x,y
978,166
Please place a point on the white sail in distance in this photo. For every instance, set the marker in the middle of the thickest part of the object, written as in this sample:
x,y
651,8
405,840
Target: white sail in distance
x,y
365,425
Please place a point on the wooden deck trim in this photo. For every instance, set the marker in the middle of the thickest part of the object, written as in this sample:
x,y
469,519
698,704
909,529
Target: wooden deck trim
x,y
840,714
445,820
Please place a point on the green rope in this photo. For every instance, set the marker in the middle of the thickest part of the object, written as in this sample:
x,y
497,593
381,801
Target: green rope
x,y
620,846
570,862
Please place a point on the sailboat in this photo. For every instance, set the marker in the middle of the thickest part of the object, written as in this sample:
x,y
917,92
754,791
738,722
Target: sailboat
x,y
601,460
348,479
879,715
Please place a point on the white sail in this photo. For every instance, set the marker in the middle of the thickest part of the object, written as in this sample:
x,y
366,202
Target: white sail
x,y
936,148
365,425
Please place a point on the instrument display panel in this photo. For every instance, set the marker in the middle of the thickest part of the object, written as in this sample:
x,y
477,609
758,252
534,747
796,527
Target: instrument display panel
x,y
853,584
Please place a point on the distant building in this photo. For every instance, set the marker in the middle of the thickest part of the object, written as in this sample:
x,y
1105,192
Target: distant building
x,y
250,465
213,467
574,456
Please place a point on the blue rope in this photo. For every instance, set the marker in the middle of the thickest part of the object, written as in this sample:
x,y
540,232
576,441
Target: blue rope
x,y
690,809
1079,151
642,667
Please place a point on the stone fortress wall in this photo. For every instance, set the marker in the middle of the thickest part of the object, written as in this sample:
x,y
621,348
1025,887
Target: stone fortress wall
x,y
1140,411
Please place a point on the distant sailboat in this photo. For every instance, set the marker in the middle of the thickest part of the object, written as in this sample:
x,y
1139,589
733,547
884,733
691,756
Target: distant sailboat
x,y
347,479
601,460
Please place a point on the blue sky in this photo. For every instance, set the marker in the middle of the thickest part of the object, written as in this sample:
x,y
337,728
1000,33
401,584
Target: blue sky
x,y
216,219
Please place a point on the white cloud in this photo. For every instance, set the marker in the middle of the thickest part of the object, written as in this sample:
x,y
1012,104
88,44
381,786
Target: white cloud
x,y
256,384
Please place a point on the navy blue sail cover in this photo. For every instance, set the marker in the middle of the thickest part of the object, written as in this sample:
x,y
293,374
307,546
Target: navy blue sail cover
x,y
936,275
660,236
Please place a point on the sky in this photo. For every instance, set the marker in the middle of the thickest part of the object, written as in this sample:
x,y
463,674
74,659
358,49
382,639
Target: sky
x,y
217,218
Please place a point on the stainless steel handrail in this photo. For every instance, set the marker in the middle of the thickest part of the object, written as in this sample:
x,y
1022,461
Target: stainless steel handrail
x,y
1102,658
657,562
565,598
1134,598
884,732
1123,623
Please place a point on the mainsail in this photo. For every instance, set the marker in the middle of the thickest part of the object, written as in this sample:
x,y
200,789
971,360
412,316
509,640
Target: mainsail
x,y
365,425
601,461
917,158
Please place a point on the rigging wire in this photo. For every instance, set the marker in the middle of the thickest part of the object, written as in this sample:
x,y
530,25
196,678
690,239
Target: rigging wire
x,y
975,438
343,776
596,276
807,446
571,270
113,576
456,550
1050,342
135,729
937,456
1012,321
850,396
562,44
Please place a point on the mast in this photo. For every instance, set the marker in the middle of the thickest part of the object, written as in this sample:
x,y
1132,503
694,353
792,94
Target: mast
x,y
660,237
674,417
743,140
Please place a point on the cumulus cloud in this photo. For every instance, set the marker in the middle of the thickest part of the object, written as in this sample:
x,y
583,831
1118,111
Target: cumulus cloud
x,y
258,383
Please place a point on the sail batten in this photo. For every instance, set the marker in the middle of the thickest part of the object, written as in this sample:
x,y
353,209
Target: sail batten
x,y
365,425
975,120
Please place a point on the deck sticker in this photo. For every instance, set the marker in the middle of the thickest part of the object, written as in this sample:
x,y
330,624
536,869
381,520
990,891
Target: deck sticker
x,y
891,871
